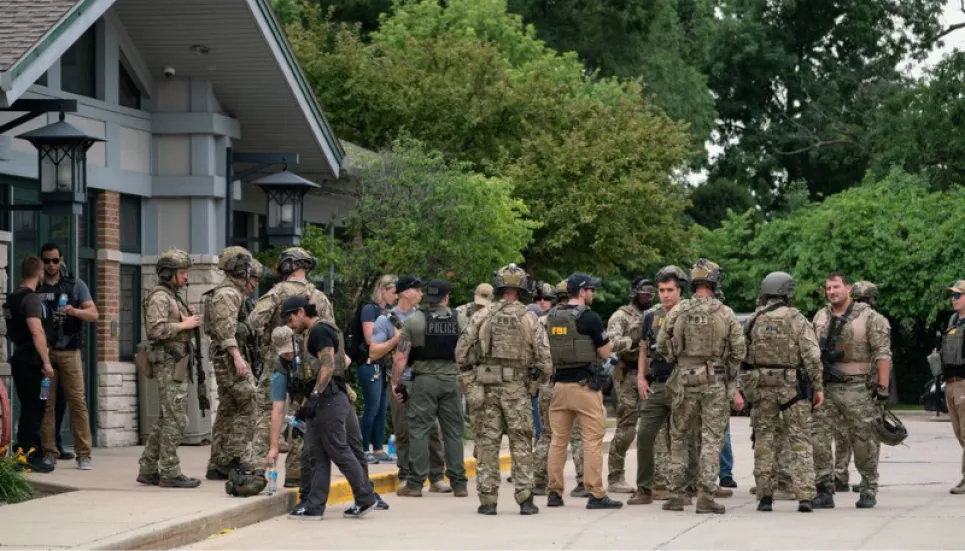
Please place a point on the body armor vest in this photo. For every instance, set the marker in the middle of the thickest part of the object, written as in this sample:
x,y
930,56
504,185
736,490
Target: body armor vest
x,y
630,356
852,342
441,336
174,316
702,331
501,335
304,368
659,367
17,328
953,345
282,291
568,347
72,327
771,342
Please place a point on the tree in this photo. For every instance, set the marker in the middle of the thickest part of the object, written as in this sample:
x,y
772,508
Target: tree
x,y
798,85
711,201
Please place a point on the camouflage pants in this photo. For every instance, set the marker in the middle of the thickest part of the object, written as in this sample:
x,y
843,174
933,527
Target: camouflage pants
x,y
234,423
491,407
850,405
543,445
768,420
296,445
842,455
705,408
160,455
627,414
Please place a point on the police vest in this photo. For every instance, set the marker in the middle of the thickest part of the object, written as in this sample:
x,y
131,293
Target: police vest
x,y
659,367
70,327
953,345
568,347
771,340
17,328
441,336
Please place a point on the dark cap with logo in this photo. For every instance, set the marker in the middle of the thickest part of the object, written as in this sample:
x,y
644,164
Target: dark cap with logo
x,y
406,282
579,281
293,304
436,290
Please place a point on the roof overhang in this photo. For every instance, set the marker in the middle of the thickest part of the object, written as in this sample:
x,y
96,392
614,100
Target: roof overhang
x,y
250,64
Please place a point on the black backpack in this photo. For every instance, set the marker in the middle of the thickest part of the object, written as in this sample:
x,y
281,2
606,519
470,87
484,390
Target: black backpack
x,y
355,339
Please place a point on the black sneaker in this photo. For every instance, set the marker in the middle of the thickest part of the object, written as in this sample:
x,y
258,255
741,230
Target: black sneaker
x,y
46,464
380,504
64,454
301,513
579,491
603,503
359,511
528,507
554,500
766,504
728,482
487,509
866,501
804,506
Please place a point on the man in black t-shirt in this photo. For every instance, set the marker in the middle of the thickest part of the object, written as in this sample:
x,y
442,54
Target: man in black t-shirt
x,y
30,362
332,430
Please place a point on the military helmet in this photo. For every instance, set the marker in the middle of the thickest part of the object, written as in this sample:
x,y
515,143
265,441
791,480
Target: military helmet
x,y
293,258
171,260
235,261
705,271
641,285
891,431
865,291
511,276
675,272
778,284
561,291
544,291
257,269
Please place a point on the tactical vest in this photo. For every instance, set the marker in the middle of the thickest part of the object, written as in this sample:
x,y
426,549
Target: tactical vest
x,y
853,341
71,326
17,328
502,336
953,344
282,291
304,368
630,356
771,340
441,336
702,330
568,347
659,367
174,316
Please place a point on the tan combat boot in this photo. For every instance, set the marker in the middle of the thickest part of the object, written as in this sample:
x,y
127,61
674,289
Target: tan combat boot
x,y
640,498
709,506
674,503
406,491
660,494
724,492
440,487
620,487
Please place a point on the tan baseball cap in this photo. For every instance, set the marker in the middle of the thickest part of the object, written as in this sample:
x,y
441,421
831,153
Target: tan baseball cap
x,y
281,338
484,294
958,286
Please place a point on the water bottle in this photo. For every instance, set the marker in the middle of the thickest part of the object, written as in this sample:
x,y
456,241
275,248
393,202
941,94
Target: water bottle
x,y
392,445
272,481
62,301
45,388
295,423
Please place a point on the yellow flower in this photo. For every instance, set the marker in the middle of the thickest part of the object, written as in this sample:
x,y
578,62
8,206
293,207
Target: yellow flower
x,y
3,450
21,459
30,452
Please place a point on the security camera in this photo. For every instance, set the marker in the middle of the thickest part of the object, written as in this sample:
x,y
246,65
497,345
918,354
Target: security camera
x,y
169,72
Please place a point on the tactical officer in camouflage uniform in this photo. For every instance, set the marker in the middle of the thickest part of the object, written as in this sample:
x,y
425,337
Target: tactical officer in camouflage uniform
x,y
781,349
168,323
542,448
855,343
624,332
952,354
227,327
482,298
292,268
653,371
503,346
704,338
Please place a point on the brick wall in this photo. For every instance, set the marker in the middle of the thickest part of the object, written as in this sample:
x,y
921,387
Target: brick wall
x,y
108,273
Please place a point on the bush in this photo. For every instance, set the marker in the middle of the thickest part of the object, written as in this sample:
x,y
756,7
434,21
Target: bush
x,y
14,486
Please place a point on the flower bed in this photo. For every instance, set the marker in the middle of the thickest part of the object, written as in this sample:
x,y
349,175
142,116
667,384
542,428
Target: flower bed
x,y
14,486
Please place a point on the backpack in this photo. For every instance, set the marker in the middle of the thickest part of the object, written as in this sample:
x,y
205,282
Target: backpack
x,y
355,338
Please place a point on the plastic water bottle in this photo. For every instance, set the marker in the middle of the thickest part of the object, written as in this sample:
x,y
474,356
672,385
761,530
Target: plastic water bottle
x,y
272,481
62,301
295,423
45,388
392,445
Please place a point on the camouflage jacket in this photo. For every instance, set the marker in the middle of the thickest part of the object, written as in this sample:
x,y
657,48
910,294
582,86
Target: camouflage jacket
x,y
162,313
623,329
266,315
469,352
221,308
703,330
784,337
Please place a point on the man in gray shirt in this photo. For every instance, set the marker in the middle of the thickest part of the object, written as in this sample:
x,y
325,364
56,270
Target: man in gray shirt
x,y
385,337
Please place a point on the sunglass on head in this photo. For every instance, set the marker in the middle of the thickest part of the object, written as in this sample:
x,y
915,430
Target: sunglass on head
x,y
956,296
51,261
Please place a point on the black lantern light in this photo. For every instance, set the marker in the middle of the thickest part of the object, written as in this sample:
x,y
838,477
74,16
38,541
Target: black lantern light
x,y
286,193
62,150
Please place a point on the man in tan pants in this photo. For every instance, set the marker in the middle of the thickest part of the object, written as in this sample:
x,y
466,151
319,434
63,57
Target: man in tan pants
x,y
69,305
953,370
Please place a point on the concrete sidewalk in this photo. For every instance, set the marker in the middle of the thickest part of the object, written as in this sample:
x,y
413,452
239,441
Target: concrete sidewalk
x,y
106,509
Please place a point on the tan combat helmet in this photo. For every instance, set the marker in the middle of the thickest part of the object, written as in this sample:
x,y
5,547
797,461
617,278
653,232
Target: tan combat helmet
x,y
510,277
544,291
257,269
562,294
169,261
236,262
294,258
705,271
865,291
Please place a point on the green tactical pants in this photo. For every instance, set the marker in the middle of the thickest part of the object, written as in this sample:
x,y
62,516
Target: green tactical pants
x,y
653,456
435,398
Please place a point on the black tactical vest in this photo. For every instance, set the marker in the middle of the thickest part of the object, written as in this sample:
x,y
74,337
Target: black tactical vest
x,y
441,336
660,369
17,328
65,334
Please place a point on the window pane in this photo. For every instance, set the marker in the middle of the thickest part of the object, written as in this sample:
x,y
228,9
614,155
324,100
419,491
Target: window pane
x,y
130,223
77,66
127,319
128,93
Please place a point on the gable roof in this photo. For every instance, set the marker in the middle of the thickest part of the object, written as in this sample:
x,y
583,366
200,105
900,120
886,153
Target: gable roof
x,y
25,22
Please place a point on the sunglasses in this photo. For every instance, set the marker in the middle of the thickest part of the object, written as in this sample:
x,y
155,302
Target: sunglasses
x,y
51,261
956,296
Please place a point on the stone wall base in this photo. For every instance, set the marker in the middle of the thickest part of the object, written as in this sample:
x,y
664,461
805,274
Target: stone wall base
x,y
117,419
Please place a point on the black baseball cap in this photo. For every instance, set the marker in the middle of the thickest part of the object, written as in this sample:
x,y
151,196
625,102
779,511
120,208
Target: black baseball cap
x,y
436,290
293,304
406,282
579,281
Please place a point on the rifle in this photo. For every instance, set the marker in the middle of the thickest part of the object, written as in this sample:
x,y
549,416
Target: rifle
x,y
203,402
829,354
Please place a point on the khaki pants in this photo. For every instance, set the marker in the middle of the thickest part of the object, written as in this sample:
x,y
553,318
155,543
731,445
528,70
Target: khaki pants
x,y
573,401
955,399
67,365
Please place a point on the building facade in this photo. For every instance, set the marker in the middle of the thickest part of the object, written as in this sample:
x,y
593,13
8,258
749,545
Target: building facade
x,y
175,88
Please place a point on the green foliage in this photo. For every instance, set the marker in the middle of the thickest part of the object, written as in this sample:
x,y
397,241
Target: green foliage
x,y
14,486
711,201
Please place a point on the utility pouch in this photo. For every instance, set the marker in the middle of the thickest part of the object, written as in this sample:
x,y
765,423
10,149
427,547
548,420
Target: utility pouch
x,y
143,362
489,374
182,365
